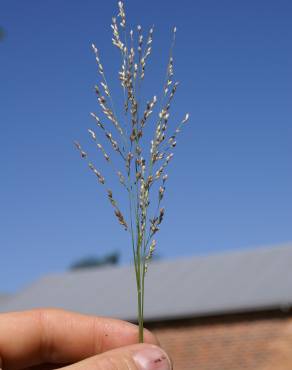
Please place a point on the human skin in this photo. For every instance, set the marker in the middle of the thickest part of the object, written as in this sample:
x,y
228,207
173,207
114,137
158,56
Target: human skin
x,y
51,339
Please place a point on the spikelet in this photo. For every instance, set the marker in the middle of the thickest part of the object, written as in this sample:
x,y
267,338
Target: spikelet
x,y
147,52
118,213
151,250
99,176
116,40
82,153
171,142
100,67
148,111
170,71
108,111
122,14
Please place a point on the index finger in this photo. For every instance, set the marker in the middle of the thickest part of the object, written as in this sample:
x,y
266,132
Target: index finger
x,y
55,336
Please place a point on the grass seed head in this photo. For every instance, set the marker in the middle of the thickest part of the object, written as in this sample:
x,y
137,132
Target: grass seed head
x,y
127,140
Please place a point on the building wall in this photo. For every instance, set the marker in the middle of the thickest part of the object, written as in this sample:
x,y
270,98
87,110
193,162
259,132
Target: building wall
x,y
261,341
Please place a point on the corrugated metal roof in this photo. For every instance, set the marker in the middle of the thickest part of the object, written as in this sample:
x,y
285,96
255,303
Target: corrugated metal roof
x,y
240,281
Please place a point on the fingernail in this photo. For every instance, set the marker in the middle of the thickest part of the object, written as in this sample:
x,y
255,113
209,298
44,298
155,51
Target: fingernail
x,y
152,358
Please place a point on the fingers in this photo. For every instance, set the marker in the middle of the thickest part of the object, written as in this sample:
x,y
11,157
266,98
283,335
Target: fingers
x,y
54,336
135,357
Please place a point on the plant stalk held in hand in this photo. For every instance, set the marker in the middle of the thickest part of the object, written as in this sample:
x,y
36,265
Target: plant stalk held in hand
x,y
142,171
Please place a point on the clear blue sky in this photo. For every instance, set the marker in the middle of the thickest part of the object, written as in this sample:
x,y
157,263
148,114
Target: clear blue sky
x,y
230,183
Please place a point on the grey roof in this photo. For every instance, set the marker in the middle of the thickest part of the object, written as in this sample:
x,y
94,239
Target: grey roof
x,y
4,297
240,281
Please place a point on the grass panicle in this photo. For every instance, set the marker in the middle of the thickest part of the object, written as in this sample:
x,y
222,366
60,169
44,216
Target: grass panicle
x,y
142,165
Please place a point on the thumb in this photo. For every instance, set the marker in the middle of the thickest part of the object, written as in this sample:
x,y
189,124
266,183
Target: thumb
x,y
135,357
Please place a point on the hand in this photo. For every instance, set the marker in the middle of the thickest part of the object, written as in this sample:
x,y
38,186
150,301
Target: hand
x,y
49,339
